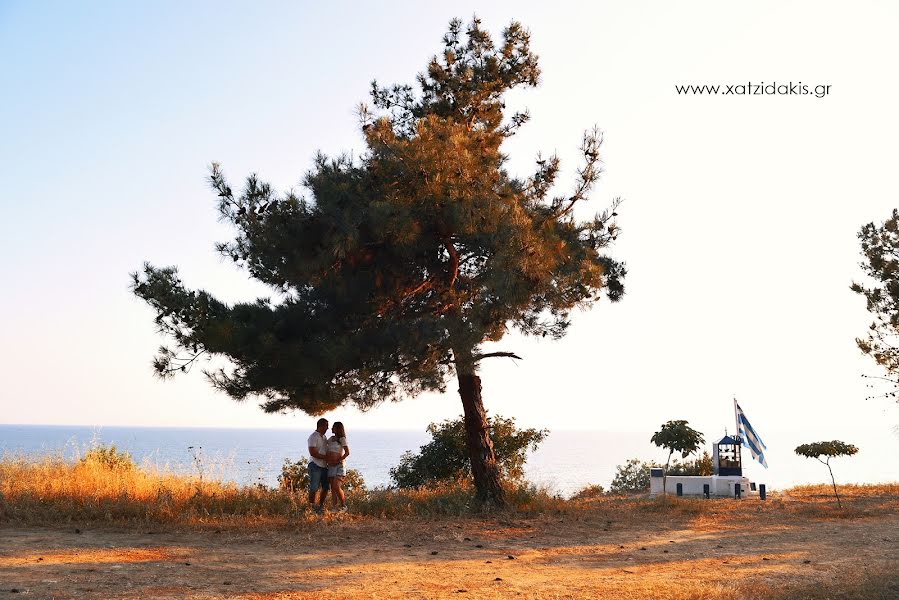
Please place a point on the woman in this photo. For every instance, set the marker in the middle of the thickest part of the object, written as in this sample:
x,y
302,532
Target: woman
x,y
338,450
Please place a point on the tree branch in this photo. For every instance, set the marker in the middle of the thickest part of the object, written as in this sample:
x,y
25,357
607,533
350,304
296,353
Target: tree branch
x,y
185,364
478,357
454,257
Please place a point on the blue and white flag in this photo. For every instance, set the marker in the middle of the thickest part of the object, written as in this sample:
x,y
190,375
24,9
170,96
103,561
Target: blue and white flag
x,y
749,437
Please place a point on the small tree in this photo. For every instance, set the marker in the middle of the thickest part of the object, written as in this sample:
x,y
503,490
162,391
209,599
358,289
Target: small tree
x,y
676,436
829,449
446,457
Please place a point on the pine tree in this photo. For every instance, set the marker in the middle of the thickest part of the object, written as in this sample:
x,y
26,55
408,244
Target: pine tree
x,y
404,261
880,247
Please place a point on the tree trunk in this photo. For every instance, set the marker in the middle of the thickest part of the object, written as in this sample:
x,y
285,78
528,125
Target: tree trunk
x,y
665,479
480,447
835,493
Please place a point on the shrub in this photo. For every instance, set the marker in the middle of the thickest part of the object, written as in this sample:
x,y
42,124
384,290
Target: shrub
x,y
632,477
353,484
108,458
591,491
700,466
445,457
294,477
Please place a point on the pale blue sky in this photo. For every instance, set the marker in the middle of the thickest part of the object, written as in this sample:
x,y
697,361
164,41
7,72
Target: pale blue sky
x,y
739,221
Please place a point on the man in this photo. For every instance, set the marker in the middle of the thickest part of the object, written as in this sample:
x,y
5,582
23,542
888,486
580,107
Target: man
x,y
318,466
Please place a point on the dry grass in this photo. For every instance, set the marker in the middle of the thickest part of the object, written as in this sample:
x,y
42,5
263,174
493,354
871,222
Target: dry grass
x,y
850,490
867,584
454,499
49,490
178,536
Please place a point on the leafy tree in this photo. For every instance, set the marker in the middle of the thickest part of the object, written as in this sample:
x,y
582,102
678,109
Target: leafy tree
x,y
880,247
404,261
829,449
446,456
676,436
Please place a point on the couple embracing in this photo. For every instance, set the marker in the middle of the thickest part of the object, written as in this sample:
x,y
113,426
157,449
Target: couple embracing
x,y
326,469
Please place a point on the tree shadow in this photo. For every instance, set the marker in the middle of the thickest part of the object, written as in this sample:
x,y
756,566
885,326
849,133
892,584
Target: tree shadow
x,y
686,555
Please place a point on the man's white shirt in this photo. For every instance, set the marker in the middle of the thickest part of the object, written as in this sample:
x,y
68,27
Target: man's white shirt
x,y
318,441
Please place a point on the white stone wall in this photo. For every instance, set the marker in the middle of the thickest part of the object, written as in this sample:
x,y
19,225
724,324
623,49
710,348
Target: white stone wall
x,y
693,485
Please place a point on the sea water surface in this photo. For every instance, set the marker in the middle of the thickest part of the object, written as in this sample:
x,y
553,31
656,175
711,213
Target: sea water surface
x,y
565,462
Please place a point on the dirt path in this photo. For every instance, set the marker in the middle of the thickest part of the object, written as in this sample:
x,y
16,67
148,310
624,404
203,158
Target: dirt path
x,y
540,557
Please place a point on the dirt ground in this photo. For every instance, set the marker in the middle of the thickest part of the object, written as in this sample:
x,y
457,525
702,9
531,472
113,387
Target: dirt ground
x,y
563,556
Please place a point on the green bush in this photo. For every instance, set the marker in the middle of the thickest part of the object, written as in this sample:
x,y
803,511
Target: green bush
x,y
294,477
109,458
445,457
632,477
700,466
353,484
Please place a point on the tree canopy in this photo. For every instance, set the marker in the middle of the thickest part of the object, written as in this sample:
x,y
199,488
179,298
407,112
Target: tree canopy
x,y
829,449
880,248
401,262
678,436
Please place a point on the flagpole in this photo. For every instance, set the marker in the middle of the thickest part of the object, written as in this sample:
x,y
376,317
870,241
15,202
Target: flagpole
x,y
739,438
737,421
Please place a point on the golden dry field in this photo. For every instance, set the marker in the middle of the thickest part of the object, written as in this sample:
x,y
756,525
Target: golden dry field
x,y
88,532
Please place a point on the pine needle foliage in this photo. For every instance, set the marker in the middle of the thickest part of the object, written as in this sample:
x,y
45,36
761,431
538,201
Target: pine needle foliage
x,y
880,248
402,262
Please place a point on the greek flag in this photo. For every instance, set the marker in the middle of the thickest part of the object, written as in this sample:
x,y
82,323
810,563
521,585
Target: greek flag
x,y
749,437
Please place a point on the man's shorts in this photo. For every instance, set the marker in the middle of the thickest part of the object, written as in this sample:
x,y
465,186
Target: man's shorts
x,y
318,477
336,471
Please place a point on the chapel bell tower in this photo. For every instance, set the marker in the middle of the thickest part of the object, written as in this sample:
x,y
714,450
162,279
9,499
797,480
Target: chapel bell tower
x,y
726,457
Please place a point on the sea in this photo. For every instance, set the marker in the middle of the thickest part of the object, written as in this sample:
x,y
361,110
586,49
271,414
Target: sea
x,y
565,462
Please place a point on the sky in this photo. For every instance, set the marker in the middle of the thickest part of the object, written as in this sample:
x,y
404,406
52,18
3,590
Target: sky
x,y
739,221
